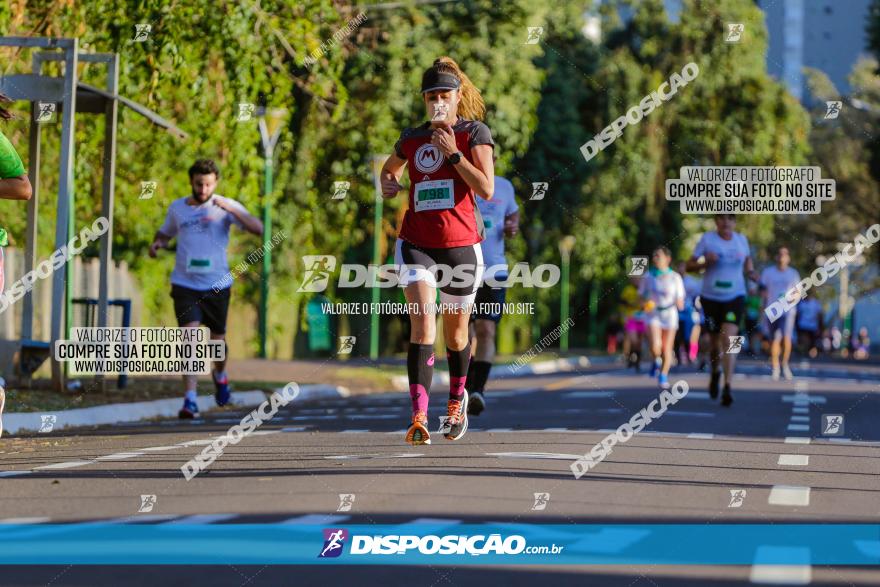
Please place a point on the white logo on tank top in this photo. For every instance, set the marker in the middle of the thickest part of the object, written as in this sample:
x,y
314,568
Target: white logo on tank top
x,y
428,158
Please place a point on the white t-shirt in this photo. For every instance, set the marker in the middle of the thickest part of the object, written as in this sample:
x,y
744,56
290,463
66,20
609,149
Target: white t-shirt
x,y
494,211
778,282
724,280
808,312
202,238
664,289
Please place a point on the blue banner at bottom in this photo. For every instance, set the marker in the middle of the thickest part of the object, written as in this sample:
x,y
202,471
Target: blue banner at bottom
x,y
416,544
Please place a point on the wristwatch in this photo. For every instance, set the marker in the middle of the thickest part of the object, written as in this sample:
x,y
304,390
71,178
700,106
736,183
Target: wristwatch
x,y
454,158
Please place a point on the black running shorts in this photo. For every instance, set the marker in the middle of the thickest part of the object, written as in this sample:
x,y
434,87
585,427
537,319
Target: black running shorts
x,y
718,313
204,307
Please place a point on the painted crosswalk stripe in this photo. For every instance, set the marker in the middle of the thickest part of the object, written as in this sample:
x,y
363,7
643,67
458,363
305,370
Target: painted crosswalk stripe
x,y
772,574
800,410
800,418
701,435
798,427
67,465
797,440
202,519
793,460
316,519
555,429
789,495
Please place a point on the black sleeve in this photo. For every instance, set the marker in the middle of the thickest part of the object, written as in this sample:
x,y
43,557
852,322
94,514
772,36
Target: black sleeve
x,y
398,146
480,135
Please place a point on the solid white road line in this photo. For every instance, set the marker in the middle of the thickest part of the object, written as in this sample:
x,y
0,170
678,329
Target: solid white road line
x,y
67,465
770,574
588,394
324,519
433,521
24,520
793,460
789,495
202,519
120,456
535,455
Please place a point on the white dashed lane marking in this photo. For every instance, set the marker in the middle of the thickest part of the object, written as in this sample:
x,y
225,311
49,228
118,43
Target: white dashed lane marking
x,y
789,495
793,460
797,440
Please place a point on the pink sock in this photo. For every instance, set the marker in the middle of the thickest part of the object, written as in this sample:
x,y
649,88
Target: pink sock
x,y
419,398
456,387
694,348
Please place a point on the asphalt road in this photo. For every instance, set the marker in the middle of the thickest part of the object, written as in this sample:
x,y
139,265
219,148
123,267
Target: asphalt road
x,y
683,468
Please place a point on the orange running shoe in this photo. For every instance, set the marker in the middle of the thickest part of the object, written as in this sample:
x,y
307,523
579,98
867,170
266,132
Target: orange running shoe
x,y
418,430
456,418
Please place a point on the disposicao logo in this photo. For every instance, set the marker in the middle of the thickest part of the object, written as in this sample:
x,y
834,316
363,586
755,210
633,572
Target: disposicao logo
x,y
334,539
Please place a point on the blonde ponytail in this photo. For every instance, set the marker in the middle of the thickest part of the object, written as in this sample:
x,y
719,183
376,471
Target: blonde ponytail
x,y
471,103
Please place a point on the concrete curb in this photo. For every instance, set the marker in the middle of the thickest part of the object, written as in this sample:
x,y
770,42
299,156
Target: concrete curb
x,y
15,422
401,382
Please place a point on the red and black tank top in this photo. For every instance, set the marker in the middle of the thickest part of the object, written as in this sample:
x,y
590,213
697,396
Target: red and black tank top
x,y
441,203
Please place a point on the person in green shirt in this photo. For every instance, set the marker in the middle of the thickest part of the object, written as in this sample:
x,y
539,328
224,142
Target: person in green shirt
x,y
14,185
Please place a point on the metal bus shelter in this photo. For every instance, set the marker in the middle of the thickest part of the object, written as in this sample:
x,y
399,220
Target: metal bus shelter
x,y
70,96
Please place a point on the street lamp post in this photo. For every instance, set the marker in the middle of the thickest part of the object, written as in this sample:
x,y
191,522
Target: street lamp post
x,y
565,247
270,124
377,162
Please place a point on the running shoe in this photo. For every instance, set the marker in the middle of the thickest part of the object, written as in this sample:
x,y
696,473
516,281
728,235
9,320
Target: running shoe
x,y
726,398
775,374
663,379
476,403
786,372
2,403
418,430
456,418
221,395
714,379
654,369
189,410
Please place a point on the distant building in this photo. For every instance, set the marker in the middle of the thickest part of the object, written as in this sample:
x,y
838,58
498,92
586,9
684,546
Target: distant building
x,y
828,35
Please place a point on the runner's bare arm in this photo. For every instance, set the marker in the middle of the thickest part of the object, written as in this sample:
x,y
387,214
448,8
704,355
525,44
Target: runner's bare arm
x,y
511,224
160,241
16,188
479,175
694,264
750,270
390,175
251,223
